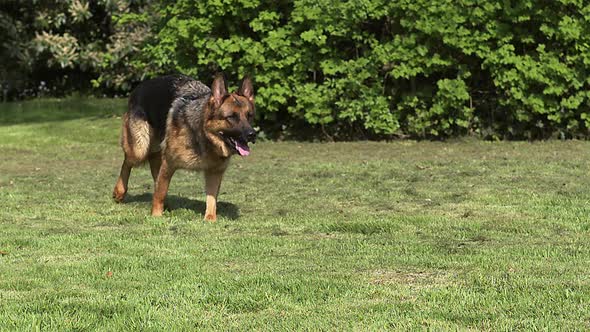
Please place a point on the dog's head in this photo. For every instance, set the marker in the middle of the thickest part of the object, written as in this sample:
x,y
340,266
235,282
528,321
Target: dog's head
x,y
230,116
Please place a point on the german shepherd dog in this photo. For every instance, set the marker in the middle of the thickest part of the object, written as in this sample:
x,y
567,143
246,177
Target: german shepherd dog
x,y
176,122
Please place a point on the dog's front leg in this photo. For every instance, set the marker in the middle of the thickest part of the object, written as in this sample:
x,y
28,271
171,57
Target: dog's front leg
x,y
212,184
162,183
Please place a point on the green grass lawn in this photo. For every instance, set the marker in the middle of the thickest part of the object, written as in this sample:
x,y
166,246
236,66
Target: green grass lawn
x,y
330,236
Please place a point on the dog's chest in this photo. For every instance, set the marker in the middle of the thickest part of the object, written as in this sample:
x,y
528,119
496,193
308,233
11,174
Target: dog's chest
x,y
183,151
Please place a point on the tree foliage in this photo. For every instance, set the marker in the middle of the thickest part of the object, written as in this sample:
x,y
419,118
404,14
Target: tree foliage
x,y
65,46
359,68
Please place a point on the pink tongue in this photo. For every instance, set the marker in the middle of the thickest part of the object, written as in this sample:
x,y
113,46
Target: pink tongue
x,y
243,149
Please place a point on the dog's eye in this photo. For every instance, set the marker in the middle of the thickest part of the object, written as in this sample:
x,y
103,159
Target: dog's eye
x,y
232,116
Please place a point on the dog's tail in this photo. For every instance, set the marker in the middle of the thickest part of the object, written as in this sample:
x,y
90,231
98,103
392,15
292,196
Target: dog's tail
x,y
136,137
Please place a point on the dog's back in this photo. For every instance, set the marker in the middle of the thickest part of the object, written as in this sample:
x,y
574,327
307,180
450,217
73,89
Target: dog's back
x,y
151,101
144,124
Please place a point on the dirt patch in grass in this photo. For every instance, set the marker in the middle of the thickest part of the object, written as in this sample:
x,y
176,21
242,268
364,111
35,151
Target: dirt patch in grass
x,y
414,279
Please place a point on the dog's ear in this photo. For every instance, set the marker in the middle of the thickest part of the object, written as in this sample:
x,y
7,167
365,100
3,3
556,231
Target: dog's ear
x,y
218,90
246,89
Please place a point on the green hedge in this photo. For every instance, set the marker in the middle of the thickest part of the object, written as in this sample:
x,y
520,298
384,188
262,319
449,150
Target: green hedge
x,y
381,68
505,69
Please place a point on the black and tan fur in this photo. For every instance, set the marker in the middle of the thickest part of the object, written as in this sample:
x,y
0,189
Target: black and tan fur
x,y
175,122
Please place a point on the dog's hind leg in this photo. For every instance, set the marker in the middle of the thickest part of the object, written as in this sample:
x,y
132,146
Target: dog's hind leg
x,y
121,185
155,160
136,137
161,190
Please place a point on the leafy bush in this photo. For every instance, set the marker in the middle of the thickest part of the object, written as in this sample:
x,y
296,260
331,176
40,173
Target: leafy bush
x,y
375,68
57,47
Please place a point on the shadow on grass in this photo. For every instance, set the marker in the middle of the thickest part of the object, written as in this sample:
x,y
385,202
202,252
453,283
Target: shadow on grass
x,y
173,202
49,110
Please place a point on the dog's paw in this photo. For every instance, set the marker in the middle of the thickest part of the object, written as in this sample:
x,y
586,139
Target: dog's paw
x,y
157,212
210,217
118,196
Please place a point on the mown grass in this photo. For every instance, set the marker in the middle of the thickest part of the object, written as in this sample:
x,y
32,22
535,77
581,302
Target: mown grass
x,y
330,236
